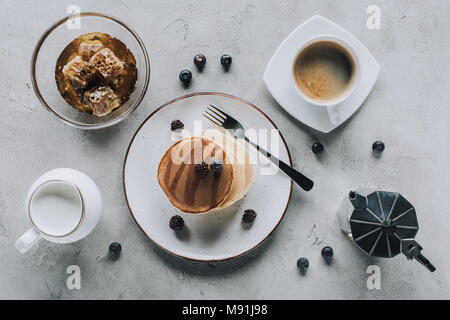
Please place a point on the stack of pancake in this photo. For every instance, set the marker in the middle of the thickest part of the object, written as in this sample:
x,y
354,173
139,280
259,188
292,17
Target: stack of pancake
x,y
217,190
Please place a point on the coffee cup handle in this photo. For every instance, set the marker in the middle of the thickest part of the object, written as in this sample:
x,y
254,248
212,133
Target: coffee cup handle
x,y
27,240
333,114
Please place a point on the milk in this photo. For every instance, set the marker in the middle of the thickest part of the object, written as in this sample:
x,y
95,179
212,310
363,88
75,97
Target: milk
x,y
56,208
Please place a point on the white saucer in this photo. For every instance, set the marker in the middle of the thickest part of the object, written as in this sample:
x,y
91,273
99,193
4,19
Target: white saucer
x,y
213,236
277,76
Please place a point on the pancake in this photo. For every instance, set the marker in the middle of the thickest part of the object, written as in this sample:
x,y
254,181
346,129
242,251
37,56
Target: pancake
x,y
184,189
242,167
237,190
248,166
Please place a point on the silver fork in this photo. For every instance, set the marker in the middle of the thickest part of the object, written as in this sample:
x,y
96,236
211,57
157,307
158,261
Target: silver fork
x,y
223,120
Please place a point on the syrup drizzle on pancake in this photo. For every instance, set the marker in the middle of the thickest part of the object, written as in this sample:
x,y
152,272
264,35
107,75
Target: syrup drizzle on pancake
x,y
215,187
185,189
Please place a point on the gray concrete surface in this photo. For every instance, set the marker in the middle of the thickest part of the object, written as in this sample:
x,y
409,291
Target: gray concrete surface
x,y
408,109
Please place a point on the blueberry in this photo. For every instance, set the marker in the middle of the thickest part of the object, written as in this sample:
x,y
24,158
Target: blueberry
x,y
114,250
216,165
200,61
226,61
378,146
185,77
327,253
317,148
302,264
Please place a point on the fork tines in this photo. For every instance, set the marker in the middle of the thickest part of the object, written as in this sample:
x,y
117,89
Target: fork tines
x,y
215,115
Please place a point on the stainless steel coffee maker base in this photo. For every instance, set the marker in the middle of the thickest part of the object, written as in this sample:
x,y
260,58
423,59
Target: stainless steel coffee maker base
x,y
345,211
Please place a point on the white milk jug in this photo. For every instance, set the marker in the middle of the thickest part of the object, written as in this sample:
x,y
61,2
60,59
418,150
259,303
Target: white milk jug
x,y
63,206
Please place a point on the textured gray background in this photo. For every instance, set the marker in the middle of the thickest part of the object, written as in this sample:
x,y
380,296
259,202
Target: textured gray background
x,y
408,109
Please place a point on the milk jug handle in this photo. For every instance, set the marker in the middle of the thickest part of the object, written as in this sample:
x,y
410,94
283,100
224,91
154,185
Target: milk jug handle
x,y
27,240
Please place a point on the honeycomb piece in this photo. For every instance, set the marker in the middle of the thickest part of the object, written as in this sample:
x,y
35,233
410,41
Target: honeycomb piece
x,y
78,72
102,100
106,62
88,48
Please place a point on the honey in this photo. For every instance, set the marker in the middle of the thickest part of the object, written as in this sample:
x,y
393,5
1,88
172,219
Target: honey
x,y
96,65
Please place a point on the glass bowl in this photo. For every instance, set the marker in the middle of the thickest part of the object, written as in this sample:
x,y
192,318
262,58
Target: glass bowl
x,y
53,42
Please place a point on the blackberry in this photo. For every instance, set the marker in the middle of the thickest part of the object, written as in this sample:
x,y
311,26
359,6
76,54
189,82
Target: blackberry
x,y
176,125
200,61
226,61
249,216
201,169
216,165
114,250
176,223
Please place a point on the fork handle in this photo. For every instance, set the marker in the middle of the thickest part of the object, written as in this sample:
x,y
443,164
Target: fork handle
x,y
304,182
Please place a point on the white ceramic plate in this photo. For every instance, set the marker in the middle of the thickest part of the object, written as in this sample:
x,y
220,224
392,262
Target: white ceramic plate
x,y
277,76
213,236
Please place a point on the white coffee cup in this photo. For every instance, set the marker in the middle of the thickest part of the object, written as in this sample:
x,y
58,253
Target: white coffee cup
x,y
63,206
331,106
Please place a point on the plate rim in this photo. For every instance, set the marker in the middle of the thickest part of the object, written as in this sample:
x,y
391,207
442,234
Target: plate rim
x,y
205,93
